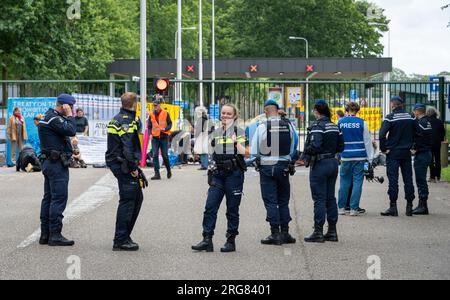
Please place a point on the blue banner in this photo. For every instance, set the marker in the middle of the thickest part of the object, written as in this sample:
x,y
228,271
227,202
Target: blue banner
x,y
30,108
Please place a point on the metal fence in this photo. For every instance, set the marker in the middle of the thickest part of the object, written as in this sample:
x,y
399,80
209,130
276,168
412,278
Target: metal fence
x,y
373,96
296,97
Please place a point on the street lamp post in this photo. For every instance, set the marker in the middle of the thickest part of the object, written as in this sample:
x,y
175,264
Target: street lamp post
x,y
307,77
200,52
143,62
179,58
213,53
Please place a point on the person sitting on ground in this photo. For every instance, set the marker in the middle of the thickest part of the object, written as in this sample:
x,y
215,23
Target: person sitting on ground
x,y
28,160
77,161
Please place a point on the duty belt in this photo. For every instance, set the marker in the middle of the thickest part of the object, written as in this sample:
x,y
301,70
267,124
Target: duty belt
x,y
227,165
325,156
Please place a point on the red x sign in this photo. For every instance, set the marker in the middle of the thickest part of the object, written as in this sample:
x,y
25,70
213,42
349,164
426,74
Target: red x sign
x,y
190,69
309,68
254,68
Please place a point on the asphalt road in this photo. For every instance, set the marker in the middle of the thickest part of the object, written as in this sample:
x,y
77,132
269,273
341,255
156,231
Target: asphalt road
x,y
170,222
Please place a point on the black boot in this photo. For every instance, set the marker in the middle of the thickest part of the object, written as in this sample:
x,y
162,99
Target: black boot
x,y
392,211
286,238
156,177
331,235
409,209
230,245
205,245
57,239
169,173
316,236
422,209
127,246
43,240
274,238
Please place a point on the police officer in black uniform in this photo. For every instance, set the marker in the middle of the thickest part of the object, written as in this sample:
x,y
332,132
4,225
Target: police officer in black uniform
x,y
274,146
122,157
55,131
323,142
396,141
423,143
225,178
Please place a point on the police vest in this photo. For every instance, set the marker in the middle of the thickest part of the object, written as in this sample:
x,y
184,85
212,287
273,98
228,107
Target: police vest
x,y
158,125
352,129
278,139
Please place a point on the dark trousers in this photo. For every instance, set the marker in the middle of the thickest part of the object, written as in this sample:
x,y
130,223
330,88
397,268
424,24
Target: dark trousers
x,y
56,182
230,185
130,203
322,179
435,166
421,163
392,167
163,144
276,192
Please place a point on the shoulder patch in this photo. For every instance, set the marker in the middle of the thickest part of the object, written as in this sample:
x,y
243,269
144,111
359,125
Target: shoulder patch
x,y
125,127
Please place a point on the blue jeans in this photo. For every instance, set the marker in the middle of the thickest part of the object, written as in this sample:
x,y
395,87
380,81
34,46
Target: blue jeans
x,y
163,144
230,185
56,178
351,172
421,163
322,179
275,190
204,160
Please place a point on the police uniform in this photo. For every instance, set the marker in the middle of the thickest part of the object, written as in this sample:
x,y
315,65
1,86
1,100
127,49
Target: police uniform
x,y
423,142
55,131
122,157
397,137
226,178
323,142
275,146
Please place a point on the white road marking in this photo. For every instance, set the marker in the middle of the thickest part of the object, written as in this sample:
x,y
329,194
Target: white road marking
x,y
101,192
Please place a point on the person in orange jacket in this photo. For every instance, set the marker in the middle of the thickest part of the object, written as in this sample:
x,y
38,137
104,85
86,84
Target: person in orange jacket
x,y
159,126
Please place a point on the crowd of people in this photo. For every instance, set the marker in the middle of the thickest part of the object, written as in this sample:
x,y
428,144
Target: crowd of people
x,y
226,150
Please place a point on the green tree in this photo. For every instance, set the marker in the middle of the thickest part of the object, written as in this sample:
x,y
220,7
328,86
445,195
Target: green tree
x,y
38,41
334,28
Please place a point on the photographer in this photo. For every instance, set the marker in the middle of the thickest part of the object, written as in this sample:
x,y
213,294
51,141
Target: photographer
x,y
357,150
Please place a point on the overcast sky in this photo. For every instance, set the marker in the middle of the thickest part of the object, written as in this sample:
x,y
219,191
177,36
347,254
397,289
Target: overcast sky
x,y
420,38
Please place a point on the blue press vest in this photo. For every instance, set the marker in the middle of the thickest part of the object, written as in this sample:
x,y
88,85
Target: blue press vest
x,y
352,129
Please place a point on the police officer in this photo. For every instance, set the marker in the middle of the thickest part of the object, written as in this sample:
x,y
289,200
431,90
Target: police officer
x,y
396,141
423,142
275,146
226,178
55,131
323,142
122,157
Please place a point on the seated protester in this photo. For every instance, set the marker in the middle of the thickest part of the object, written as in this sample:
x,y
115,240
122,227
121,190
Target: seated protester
x,y
28,160
77,161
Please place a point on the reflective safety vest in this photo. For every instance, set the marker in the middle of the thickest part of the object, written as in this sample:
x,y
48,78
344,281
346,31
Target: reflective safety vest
x,y
160,124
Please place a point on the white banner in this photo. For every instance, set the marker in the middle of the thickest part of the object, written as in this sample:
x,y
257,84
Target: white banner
x,y
92,149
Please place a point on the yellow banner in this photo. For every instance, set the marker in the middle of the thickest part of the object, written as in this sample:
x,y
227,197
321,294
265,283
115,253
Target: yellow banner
x,y
372,116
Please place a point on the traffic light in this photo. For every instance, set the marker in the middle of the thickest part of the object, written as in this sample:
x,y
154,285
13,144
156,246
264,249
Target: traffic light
x,y
161,85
